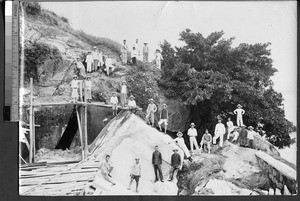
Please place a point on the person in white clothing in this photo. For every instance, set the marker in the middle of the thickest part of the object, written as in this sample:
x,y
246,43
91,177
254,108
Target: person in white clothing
x,y
124,50
180,142
80,67
250,137
135,174
89,62
145,52
109,66
74,86
88,89
114,102
100,58
235,135
158,58
192,132
219,132
151,109
134,55
163,117
123,93
132,104
95,56
137,48
239,115
230,127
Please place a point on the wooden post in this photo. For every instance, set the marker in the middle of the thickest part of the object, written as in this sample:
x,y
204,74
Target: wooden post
x,y
80,132
85,132
31,156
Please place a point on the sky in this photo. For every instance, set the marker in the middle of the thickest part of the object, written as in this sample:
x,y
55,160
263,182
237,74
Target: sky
x,y
152,22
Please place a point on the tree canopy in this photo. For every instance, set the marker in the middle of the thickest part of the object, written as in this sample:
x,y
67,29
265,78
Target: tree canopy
x,y
212,77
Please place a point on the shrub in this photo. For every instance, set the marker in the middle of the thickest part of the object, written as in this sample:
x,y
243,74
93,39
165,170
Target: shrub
x,y
65,19
32,8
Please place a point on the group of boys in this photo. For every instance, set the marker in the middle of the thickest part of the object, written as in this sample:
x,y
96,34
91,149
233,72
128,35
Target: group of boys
x,y
77,87
136,53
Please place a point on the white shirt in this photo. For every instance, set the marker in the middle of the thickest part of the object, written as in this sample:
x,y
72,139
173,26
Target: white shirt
x,y
132,103
137,47
136,169
180,141
74,84
100,56
108,62
79,64
114,100
123,89
229,124
95,55
192,132
220,129
158,56
89,58
134,53
239,112
250,134
88,85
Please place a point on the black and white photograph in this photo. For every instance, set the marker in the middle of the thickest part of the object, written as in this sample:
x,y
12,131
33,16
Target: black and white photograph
x,y
176,98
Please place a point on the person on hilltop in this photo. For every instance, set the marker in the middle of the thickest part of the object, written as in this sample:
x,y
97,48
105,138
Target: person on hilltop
x,y
95,56
230,127
114,102
235,135
180,142
206,140
124,50
163,116
74,87
80,67
88,89
151,109
136,45
106,168
109,67
100,57
250,137
219,132
89,62
156,162
192,133
158,58
123,93
175,163
135,174
145,52
239,115
243,136
132,104
134,55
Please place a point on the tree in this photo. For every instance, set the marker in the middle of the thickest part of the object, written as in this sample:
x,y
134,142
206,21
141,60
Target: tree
x,y
213,77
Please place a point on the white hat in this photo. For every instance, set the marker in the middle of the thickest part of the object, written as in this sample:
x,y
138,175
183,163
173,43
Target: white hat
x,y
136,157
131,96
151,99
239,105
192,124
250,127
179,134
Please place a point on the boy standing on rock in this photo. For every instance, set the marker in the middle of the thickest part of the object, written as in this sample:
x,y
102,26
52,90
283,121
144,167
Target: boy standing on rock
x,y
151,109
88,89
163,117
156,162
123,93
95,56
135,173
124,50
219,132
114,102
158,59
180,142
192,132
145,52
175,163
239,115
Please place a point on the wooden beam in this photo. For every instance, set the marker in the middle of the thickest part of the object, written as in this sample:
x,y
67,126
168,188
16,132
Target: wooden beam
x,y
85,133
31,122
80,132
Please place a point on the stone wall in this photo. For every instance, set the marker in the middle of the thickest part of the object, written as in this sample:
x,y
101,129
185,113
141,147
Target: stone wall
x,y
280,174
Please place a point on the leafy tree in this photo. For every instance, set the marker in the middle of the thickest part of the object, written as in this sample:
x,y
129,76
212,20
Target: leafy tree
x,y
213,77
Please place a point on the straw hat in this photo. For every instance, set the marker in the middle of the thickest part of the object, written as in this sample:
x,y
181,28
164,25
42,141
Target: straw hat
x,y
74,76
131,96
179,134
239,105
164,105
95,47
123,81
250,127
151,99
192,124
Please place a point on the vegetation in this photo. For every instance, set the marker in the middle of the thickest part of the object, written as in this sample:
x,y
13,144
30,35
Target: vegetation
x,y
213,77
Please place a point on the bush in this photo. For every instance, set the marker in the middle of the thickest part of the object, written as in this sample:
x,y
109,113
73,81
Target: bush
x,y
65,19
32,8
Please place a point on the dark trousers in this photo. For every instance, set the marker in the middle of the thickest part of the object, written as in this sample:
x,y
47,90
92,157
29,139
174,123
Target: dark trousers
x,y
158,168
172,172
134,60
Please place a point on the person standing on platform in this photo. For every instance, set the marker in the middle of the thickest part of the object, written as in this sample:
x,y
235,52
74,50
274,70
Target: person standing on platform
x,y
175,163
88,89
151,109
192,133
156,162
89,62
230,127
219,132
106,168
74,86
180,142
131,104
124,50
95,56
123,94
239,115
114,102
206,140
250,137
158,58
134,55
135,174
145,52
163,118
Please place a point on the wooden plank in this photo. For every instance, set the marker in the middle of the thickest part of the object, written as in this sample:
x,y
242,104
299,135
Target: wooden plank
x,y
80,132
31,160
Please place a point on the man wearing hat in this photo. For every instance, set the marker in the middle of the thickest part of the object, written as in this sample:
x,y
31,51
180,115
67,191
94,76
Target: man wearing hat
x,y
114,102
145,52
180,142
158,58
192,132
163,116
239,115
80,67
175,163
219,132
74,87
89,62
123,93
124,50
151,109
206,140
95,56
250,137
135,173
131,103
88,89
137,48
243,136
156,162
